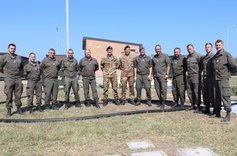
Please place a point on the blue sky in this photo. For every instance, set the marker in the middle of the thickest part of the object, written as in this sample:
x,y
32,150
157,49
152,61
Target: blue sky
x,y
31,25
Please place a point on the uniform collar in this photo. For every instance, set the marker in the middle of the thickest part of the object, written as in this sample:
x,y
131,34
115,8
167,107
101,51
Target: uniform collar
x,y
221,53
158,55
33,63
142,56
177,58
88,59
107,56
208,55
12,56
191,55
70,59
53,59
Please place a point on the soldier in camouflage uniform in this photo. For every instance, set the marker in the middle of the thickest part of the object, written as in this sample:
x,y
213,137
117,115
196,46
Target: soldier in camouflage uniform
x,y
109,65
207,79
32,73
161,69
69,67
223,64
178,66
11,65
126,65
143,75
87,67
193,79
50,67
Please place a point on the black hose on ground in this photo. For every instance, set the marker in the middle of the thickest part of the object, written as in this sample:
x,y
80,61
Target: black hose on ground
x,y
92,116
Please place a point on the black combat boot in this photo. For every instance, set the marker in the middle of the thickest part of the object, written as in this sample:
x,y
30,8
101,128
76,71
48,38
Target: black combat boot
x,y
162,105
116,102
207,111
197,110
149,103
67,105
216,114
39,108
30,109
227,117
105,102
78,104
9,113
132,102
97,104
175,105
87,103
54,107
19,110
191,108
122,102
138,102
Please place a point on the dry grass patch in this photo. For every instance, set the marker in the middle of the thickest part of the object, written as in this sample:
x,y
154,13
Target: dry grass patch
x,y
167,131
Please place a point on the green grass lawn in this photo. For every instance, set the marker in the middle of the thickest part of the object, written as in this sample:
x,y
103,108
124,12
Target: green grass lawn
x,y
167,131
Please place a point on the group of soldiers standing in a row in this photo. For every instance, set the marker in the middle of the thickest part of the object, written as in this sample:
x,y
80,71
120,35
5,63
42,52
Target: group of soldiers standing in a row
x,y
210,74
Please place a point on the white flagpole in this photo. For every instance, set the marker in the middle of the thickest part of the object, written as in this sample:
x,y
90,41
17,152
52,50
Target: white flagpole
x,y
67,24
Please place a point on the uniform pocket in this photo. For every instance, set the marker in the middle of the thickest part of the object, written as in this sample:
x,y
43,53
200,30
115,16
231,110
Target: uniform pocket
x,y
226,88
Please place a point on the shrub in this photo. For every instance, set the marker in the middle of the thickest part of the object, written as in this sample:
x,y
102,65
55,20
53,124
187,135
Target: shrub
x,y
234,90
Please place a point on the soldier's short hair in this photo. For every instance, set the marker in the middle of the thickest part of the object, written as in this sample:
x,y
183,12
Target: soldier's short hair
x,y
140,48
52,49
127,46
70,49
87,50
190,45
32,53
158,45
109,47
219,41
177,48
208,43
11,44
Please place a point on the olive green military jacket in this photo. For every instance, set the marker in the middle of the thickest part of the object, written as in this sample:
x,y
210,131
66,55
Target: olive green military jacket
x,y
223,65
69,66
143,64
178,66
50,67
33,71
11,65
88,67
207,66
160,63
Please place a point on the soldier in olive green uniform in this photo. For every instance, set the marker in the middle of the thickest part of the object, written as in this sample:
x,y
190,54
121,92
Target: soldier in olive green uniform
x,y
178,67
11,65
108,65
143,75
223,63
207,79
87,67
126,65
32,73
161,69
69,67
50,67
193,79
